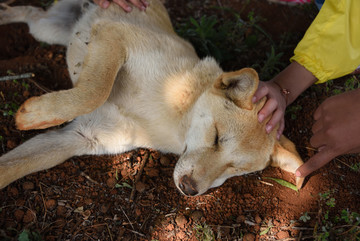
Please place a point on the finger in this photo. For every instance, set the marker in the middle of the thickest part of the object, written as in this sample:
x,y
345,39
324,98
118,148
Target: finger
x,y
318,139
281,129
269,107
318,113
139,4
318,160
146,3
317,126
261,92
124,5
275,119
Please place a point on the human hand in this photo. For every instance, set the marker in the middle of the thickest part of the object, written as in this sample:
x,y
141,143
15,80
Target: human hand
x,y
141,4
275,106
336,130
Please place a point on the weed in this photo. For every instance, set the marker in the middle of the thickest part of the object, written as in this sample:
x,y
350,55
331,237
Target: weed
x,y
234,41
293,110
305,217
204,232
123,184
27,235
355,167
344,225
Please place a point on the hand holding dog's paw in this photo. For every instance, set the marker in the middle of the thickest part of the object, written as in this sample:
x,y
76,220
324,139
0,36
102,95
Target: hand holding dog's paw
x,y
37,113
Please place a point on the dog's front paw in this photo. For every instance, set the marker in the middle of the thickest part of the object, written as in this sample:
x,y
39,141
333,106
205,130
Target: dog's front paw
x,y
36,113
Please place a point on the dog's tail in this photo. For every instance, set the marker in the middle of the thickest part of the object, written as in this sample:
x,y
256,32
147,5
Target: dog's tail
x,y
53,26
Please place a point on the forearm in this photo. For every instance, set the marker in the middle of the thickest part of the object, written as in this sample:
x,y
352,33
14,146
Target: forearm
x,y
295,79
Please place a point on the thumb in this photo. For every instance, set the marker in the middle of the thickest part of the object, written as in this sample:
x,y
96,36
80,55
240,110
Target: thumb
x,y
315,162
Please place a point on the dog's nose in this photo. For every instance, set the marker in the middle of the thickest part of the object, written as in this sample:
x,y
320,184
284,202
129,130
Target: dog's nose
x,y
188,186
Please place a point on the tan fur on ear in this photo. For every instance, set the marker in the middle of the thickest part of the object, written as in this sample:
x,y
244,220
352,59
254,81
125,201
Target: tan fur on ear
x,y
287,158
239,86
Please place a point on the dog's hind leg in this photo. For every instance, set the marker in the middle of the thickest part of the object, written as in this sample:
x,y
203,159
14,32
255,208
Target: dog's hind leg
x,y
41,152
53,26
106,55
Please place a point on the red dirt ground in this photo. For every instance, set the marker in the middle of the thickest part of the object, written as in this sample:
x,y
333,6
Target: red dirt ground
x,y
96,197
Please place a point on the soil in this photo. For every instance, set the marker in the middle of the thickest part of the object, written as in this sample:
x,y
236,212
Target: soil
x,y
114,198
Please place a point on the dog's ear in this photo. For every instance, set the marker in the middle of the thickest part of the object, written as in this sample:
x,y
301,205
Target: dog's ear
x,y
287,158
239,86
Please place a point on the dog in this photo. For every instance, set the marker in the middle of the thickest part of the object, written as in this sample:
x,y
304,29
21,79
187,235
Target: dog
x,y
138,84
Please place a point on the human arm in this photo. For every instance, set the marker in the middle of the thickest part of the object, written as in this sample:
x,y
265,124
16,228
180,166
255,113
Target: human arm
x,y
141,4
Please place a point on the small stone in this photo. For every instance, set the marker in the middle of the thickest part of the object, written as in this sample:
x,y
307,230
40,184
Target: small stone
x,y
283,235
110,182
50,204
61,211
10,144
104,208
29,216
140,187
181,235
180,220
170,227
257,219
138,211
240,219
249,237
28,186
196,215
164,160
19,214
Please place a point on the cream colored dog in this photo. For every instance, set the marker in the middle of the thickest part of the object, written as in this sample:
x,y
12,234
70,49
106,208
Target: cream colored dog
x,y
138,84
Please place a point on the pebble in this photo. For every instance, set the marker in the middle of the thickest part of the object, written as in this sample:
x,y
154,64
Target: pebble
x,y
196,215
283,235
180,220
257,219
50,204
19,214
28,186
140,187
28,217
110,182
164,160
249,237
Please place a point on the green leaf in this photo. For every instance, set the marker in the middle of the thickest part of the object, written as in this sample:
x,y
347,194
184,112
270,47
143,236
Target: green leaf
x,y
124,184
265,231
283,183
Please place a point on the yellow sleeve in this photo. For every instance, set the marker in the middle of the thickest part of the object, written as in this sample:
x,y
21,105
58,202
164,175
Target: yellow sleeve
x,y
330,47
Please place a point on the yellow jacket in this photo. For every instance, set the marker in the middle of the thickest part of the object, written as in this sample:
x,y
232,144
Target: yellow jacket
x,y
330,47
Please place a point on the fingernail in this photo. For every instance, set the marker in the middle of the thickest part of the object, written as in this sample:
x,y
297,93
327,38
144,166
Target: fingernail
x,y
298,174
128,9
261,117
146,3
268,128
106,4
143,8
278,137
253,99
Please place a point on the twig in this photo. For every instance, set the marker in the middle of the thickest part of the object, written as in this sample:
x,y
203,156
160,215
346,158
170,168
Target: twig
x,y
127,217
266,183
133,231
20,76
137,179
43,200
89,178
43,88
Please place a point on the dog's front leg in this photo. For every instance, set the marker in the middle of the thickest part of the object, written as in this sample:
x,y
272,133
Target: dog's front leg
x,y
106,55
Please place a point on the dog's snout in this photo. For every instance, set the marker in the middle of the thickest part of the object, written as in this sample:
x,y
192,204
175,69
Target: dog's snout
x,y
188,186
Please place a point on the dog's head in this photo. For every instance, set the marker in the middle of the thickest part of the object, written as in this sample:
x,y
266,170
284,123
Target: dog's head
x,y
225,138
